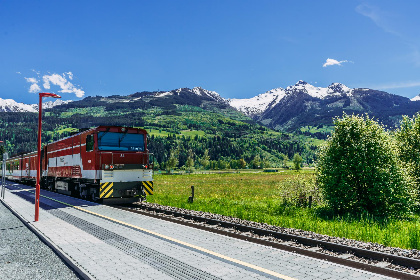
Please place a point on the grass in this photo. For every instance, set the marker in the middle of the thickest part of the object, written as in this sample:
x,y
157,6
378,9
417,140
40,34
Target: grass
x,y
313,129
279,199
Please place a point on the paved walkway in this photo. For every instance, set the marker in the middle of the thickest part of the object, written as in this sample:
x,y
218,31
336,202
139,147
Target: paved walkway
x,y
108,243
23,255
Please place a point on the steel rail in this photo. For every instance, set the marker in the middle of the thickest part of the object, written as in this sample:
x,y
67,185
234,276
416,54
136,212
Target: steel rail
x,y
362,253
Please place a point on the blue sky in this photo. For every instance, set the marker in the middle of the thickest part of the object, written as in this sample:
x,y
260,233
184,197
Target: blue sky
x,y
237,48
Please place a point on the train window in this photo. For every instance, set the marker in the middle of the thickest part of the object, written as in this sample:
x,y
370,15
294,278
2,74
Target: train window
x,y
89,143
112,141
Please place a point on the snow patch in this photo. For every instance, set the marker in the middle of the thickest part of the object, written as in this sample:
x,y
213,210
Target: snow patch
x,y
9,105
259,103
417,98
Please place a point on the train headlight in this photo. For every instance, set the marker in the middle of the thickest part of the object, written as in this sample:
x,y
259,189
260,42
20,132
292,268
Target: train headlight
x,y
106,166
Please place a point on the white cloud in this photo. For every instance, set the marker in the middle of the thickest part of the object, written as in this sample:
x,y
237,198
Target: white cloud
x,y
331,62
63,83
56,80
70,74
36,72
34,88
34,85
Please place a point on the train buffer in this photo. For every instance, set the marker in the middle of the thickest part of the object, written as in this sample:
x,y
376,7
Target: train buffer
x,y
102,242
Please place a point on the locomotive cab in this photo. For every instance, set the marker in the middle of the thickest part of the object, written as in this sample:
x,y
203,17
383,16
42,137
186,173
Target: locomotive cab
x,y
107,163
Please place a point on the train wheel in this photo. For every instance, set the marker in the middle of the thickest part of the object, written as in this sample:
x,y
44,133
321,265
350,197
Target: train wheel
x,y
93,197
50,185
91,193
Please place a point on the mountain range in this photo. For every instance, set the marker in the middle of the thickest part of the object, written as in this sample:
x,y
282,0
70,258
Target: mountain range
x,y
295,106
9,105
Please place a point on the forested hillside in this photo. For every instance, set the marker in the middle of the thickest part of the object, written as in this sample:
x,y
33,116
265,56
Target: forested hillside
x,y
202,134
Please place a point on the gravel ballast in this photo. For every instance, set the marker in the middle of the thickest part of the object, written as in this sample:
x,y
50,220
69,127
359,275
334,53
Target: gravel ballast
x,y
24,256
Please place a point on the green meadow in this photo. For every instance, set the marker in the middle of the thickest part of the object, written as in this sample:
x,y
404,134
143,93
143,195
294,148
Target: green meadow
x,y
280,199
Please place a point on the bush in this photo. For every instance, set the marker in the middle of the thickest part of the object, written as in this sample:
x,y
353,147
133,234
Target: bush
x,y
296,191
408,136
359,171
297,161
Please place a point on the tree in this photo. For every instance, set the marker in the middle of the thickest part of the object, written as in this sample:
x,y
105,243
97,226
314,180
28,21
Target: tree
x,y
408,137
297,161
242,163
205,159
266,163
285,161
358,169
173,160
189,164
256,162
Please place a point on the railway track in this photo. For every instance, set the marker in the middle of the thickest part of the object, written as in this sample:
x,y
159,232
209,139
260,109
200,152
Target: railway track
x,y
364,259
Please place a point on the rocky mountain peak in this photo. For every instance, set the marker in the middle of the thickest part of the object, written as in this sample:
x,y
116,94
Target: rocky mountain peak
x,y
338,88
301,83
416,98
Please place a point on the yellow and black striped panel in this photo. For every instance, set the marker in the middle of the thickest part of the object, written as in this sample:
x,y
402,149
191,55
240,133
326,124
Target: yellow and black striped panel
x,y
148,187
106,190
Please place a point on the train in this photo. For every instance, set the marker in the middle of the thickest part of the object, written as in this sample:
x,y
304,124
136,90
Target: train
x,y
107,164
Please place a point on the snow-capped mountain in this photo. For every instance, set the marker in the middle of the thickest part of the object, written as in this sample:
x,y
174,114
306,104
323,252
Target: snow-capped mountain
x,y
9,105
265,101
258,104
198,91
305,104
298,105
51,104
416,98
319,92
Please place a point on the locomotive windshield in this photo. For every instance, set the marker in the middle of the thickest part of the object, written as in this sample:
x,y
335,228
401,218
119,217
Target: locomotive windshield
x,y
112,141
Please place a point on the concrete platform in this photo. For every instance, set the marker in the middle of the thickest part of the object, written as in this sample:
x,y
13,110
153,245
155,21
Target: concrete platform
x,y
108,243
24,256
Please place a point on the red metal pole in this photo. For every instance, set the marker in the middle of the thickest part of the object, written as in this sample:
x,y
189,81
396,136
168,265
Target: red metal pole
x,y
38,170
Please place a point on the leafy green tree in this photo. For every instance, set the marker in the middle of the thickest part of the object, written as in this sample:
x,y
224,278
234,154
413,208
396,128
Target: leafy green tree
x,y
172,160
408,138
297,161
222,164
256,162
359,171
285,161
189,164
205,159
266,163
242,163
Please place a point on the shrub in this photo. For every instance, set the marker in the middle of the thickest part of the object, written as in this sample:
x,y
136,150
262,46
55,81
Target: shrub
x,y
296,191
297,161
359,171
408,137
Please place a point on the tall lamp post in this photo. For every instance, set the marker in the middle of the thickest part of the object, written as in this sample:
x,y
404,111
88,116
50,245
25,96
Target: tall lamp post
x,y
3,171
38,170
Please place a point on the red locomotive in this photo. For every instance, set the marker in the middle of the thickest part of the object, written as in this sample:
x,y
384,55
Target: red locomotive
x,y
106,163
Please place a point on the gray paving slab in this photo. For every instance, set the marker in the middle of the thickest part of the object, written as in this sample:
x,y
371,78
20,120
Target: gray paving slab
x,y
24,256
159,249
